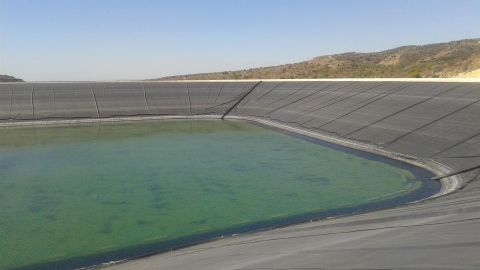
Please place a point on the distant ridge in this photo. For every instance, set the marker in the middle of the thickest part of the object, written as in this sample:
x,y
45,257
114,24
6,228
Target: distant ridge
x,y
441,60
7,78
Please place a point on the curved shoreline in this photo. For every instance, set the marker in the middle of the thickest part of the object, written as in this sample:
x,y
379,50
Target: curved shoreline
x,y
449,184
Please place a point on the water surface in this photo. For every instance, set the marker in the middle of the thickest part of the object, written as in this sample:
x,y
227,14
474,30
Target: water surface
x,y
80,195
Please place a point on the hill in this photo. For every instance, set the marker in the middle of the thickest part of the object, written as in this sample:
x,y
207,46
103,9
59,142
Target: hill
x,y
7,78
440,60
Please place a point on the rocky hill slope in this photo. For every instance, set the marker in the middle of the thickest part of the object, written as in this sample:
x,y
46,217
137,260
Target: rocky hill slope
x,y
452,59
7,78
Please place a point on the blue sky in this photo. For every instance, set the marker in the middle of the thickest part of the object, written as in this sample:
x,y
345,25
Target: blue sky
x,y
115,39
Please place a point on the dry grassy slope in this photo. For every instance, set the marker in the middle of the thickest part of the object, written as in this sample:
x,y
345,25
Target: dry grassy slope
x,y
470,74
435,60
7,78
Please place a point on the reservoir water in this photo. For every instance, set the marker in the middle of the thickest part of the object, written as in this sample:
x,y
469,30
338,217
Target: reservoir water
x,y
79,195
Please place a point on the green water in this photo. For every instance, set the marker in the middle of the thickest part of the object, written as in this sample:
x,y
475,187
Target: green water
x,y
76,191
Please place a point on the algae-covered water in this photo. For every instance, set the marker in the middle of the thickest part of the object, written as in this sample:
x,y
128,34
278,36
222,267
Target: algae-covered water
x,y
79,195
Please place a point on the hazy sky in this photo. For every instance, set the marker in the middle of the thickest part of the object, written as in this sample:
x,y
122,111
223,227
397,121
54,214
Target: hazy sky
x,y
139,39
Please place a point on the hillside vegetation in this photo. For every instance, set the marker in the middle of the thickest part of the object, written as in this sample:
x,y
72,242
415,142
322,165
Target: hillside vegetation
x,y
440,60
7,78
